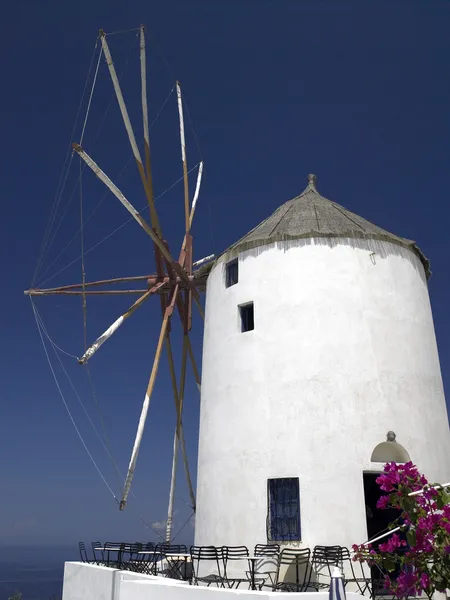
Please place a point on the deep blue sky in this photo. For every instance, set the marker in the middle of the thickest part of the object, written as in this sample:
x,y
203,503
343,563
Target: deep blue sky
x,y
356,92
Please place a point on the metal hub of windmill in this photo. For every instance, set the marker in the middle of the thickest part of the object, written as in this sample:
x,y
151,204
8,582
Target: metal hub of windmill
x,y
174,281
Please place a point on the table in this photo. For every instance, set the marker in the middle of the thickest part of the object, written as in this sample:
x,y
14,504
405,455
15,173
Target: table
x,y
178,557
108,549
152,566
251,561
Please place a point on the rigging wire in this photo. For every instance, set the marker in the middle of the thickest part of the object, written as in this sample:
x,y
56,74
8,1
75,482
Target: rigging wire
x,y
91,214
42,328
115,230
67,407
90,97
123,31
63,177
99,129
180,530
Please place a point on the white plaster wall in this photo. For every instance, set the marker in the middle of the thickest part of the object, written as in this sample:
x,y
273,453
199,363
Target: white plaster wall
x,y
343,351
154,591
93,582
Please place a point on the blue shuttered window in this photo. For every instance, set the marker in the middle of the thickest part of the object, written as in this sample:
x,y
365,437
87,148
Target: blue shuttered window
x,y
283,519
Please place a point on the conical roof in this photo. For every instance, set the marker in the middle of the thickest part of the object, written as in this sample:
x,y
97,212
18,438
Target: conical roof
x,y
310,215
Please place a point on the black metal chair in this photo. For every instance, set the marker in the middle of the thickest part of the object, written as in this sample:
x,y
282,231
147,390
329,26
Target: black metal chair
x,y
359,577
267,566
293,570
238,554
83,553
99,556
147,559
131,559
117,549
324,558
213,558
174,561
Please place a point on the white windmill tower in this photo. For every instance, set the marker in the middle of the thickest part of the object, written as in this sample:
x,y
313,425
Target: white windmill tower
x,y
319,340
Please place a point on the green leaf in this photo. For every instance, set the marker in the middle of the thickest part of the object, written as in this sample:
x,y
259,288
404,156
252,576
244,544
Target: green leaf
x,y
389,565
411,537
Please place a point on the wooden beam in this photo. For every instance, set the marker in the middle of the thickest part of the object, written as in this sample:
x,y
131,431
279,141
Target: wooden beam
x,y
81,293
140,431
148,169
117,323
127,123
183,157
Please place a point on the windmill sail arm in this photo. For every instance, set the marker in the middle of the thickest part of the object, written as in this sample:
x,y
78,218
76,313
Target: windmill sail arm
x,y
123,200
117,323
196,193
145,406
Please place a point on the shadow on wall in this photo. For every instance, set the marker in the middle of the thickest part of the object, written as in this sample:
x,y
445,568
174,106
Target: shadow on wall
x,y
379,248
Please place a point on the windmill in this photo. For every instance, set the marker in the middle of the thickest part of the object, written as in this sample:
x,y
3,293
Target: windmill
x,y
173,281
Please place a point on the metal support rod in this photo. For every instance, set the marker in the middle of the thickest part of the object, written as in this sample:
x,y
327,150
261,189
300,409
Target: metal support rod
x,y
140,431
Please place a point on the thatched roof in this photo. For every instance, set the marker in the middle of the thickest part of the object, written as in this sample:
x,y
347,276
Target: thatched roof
x,y
310,215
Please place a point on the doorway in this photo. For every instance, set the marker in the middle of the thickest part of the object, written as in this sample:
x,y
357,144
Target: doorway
x,y
378,522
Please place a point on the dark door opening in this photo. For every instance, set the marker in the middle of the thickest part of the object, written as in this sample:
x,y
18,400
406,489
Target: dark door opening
x,y
378,521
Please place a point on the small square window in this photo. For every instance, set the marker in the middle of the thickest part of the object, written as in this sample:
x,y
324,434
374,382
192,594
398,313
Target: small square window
x,y
247,317
231,273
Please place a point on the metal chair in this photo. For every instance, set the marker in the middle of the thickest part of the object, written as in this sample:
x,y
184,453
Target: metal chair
x,y
133,559
323,559
296,575
147,559
83,553
360,579
172,567
269,558
212,557
235,553
101,560
116,548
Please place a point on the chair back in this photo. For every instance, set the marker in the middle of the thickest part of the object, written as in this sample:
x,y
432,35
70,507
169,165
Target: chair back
x,y
235,568
175,549
98,554
83,553
206,561
267,550
231,552
294,570
324,558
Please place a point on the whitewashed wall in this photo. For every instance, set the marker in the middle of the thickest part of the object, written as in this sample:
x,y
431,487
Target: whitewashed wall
x,y
343,351
91,582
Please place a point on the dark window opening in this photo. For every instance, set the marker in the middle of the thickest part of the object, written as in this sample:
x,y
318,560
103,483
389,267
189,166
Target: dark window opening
x,y
283,518
232,273
247,317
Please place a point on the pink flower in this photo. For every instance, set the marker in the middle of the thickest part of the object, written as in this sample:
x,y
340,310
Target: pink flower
x,y
392,544
384,502
425,581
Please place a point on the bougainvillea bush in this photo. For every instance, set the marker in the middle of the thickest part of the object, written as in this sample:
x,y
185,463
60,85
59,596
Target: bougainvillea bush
x,y
420,564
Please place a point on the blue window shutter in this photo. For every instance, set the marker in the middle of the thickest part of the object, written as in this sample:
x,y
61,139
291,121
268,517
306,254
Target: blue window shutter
x,y
283,520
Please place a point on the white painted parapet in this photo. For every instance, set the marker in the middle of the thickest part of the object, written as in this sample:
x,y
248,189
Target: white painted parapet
x,y
92,582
